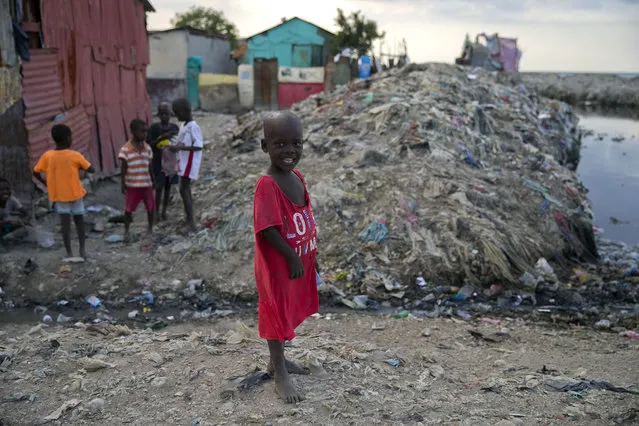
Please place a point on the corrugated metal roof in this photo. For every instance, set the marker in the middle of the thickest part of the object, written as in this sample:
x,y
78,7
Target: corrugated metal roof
x,y
41,88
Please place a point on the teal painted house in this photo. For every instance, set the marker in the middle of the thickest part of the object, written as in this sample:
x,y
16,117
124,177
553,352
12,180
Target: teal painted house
x,y
295,43
278,54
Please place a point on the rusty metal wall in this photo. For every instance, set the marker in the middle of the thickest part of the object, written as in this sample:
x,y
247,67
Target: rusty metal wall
x,y
95,52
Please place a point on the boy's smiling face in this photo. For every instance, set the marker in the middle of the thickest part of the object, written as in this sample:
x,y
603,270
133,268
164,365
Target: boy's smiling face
x,y
283,141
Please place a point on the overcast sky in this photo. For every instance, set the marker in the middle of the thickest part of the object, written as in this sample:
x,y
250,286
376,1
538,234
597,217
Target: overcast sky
x,y
555,35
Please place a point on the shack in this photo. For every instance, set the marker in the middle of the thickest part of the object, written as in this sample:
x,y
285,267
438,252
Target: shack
x,y
178,56
284,64
496,53
80,63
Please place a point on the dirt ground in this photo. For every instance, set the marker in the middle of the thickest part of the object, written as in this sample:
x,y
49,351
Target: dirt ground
x,y
180,375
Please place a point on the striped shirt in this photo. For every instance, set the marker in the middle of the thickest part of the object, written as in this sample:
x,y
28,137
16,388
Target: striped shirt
x,y
138,162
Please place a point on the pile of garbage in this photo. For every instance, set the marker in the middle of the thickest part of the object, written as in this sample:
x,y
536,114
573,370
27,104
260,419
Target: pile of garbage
x,y
591,89
425,171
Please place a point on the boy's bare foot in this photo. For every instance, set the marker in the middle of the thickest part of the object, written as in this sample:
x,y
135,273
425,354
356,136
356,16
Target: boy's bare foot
x,y
164,216
83,254
285,389
291,367
127,238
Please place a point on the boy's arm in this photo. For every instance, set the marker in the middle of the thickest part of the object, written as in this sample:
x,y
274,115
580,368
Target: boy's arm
x,y
123,170
151,174
186,148
295,265
90,170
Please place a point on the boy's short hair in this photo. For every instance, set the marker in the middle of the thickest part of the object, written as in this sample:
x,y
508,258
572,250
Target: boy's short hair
x,y
60,133
137,124
182,103
3,180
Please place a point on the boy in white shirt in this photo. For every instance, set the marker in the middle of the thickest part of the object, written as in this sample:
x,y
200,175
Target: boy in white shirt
x,y
189,149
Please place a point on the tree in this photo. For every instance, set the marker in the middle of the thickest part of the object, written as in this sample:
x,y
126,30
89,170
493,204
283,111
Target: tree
x,y
356,32
209,20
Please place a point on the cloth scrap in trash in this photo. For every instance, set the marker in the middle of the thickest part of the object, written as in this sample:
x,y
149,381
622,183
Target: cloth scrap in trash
x,y
564,384
376,231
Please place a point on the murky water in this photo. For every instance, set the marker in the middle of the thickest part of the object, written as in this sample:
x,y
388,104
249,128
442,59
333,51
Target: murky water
x,y
610,170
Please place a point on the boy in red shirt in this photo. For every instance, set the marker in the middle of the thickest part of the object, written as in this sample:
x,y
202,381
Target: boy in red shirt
x,y
285,248
137,183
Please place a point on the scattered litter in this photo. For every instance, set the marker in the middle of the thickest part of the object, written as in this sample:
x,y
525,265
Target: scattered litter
x,y
393,362
70,404
114,238
376,232
73,260
93,301
92,364
565,384
603,324
630,334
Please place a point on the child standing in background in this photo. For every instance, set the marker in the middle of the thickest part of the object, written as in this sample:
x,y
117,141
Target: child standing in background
x,y
189,149
136,158
62,167
158,132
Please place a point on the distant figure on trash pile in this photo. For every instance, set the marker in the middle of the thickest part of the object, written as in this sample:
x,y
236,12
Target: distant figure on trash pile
x,y
189,146
165,167
285,248
14,215
62,167
136,158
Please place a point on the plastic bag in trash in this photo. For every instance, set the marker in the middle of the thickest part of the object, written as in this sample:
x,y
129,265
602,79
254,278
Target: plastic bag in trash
x,y
43,238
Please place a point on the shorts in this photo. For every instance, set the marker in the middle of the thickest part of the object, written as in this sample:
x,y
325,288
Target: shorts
x,y
75,208
162,180
134,196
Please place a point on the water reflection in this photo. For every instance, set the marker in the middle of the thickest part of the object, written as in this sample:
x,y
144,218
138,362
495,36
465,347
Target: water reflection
x,y
610,170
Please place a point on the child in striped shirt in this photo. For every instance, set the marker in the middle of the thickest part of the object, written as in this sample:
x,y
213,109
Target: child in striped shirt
x,y
138,185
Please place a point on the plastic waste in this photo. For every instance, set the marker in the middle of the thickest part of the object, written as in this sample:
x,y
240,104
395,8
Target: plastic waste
x,y
420,281
603,324
93,301
63,319
393,362
47,319
543,268
402,314
376,232
114,238
464,293
630,334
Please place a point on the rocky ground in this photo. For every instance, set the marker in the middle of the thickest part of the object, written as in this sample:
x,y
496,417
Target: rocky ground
x,y
364,370
465,176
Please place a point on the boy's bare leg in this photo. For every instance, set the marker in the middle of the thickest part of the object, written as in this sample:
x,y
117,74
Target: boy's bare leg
x,y
128,218
187,198
65,220
283,385
167,197
158,198
150,215
79,226
291,367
